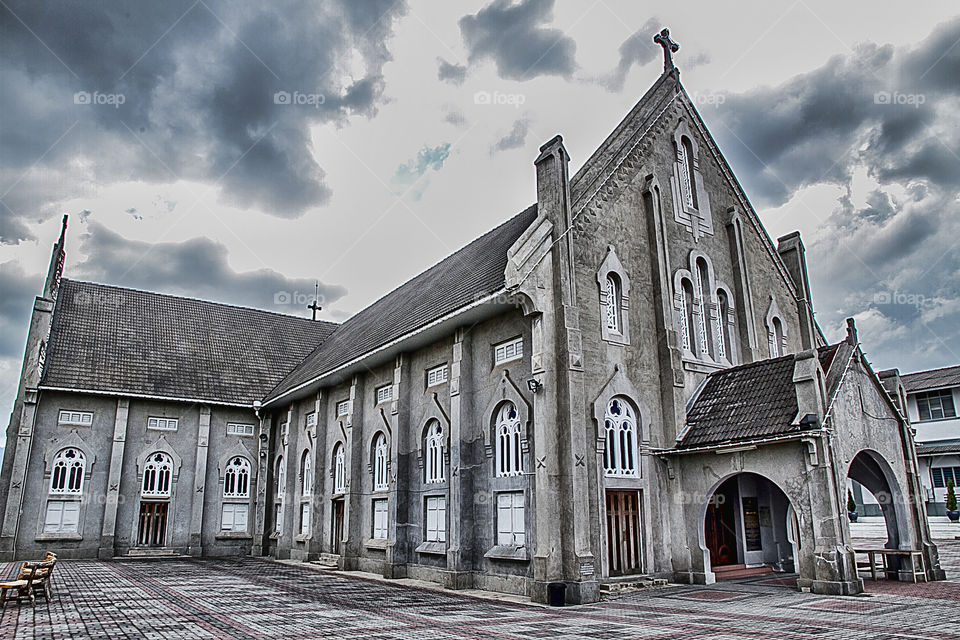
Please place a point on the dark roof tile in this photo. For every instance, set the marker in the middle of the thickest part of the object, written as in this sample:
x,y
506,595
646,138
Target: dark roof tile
x,y
932,379
118,340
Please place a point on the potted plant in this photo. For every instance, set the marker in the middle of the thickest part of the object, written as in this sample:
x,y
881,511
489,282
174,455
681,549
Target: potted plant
x,y
851,507
952,512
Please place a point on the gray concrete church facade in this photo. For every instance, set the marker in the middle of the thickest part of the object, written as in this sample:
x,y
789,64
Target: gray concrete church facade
x,y
624,379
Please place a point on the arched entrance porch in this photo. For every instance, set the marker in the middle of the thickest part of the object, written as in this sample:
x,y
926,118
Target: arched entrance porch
x,y
749,528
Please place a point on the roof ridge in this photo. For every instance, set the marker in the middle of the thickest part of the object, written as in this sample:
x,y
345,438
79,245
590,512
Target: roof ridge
x,y
925,371
755,363
201,300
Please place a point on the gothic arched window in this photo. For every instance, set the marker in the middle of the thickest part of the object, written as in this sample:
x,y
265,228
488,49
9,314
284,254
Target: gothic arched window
x,y
509,457
613,304
157,474
306,474
776,345
704,329
339,469
687,181
67,476
433,445
281,477
687,330
724,329
381,456
236,478
620,445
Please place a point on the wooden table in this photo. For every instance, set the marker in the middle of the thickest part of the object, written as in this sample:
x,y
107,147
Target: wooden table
x,y
910,554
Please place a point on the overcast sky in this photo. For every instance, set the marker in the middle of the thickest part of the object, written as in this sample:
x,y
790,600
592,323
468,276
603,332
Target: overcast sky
x,y
240,152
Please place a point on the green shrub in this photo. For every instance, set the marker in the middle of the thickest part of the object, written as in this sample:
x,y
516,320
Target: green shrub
x,y
851,503
951,497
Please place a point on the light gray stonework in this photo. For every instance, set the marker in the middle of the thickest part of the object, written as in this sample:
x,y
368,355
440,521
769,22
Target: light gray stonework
x,y
569,460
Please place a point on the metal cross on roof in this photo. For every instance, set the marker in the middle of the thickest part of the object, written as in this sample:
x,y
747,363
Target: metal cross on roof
x,y
315,305
669,48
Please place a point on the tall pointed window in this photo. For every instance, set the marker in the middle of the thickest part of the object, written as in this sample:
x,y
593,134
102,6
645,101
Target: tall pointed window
x,y
236,478
381,481
281,477
339,469
687,181
687,323
620,447
157,473
724,329
509,455
776,344
67,476
306,474
704,329
613,304
433,446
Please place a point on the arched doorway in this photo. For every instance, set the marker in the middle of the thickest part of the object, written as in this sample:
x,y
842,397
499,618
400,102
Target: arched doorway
x,y
749,528
874,475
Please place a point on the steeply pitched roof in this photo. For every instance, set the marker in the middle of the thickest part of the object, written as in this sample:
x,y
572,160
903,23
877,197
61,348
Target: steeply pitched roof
x,y
117,340
932,379
748,402
460,279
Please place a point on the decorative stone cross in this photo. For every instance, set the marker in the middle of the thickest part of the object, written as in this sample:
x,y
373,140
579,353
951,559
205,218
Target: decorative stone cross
x,y
315,306
669,48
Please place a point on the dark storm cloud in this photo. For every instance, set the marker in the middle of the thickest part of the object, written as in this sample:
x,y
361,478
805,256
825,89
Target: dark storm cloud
x,y
512,35
17,291
638,49
195,268
452,73
514,139
207,91
892,109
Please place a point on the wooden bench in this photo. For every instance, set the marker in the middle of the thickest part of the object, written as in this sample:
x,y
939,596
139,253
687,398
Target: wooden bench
x,y
910,554
44,575
23,587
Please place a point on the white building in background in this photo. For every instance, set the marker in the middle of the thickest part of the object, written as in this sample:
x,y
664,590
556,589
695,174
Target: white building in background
x,y
932,400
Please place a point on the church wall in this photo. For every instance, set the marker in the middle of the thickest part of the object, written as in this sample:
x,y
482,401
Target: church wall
x,y
49,438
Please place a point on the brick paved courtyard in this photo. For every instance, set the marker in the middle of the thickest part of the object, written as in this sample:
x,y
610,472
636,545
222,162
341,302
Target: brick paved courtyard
x,y
250,598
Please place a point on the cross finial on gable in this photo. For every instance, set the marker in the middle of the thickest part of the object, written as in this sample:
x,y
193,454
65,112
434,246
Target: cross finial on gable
x,y
315,305
669,48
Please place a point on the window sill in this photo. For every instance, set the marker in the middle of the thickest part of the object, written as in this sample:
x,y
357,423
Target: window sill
x,y
376,543
615,338
233,535
702,366
47,537
432,548
276,535
508,552
303,537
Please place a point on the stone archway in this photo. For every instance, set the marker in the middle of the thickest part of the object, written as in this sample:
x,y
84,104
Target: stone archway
x,y
748,528
874,473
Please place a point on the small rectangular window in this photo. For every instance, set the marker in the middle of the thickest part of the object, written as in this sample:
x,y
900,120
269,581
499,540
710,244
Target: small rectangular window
x,y
511,527
278,517
76,418
304,518
436,519
507,351
437,375
385,393
937,474
311,419
63,516
343,408
234,518
284,429
238,429
380,519
936,405
163,424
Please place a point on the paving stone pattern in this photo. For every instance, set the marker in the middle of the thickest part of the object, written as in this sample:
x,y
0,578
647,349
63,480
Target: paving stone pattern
x,y
251,598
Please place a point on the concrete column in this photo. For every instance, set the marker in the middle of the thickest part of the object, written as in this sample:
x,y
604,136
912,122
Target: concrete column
x,y
794,256
318,444
259,488
18,475
747,318
398,505
199,484
352,514
112,499
460,497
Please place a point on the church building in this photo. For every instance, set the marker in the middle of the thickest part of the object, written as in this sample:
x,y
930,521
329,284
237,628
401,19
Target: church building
x,y
624,379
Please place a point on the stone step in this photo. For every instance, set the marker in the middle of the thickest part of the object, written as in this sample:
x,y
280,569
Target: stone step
x,y
161,552
327,561
740,571
629,584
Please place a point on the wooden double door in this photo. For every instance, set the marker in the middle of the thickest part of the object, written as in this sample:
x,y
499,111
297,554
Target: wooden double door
x,y
152,530
624,533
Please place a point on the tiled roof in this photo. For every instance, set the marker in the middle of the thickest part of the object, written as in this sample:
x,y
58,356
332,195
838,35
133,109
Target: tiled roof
x,y
747,402
458,280
930,450
932,379
118,340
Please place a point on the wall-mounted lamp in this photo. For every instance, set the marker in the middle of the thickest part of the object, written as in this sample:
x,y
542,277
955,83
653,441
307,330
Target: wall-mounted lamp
x,y
534,385
263,438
